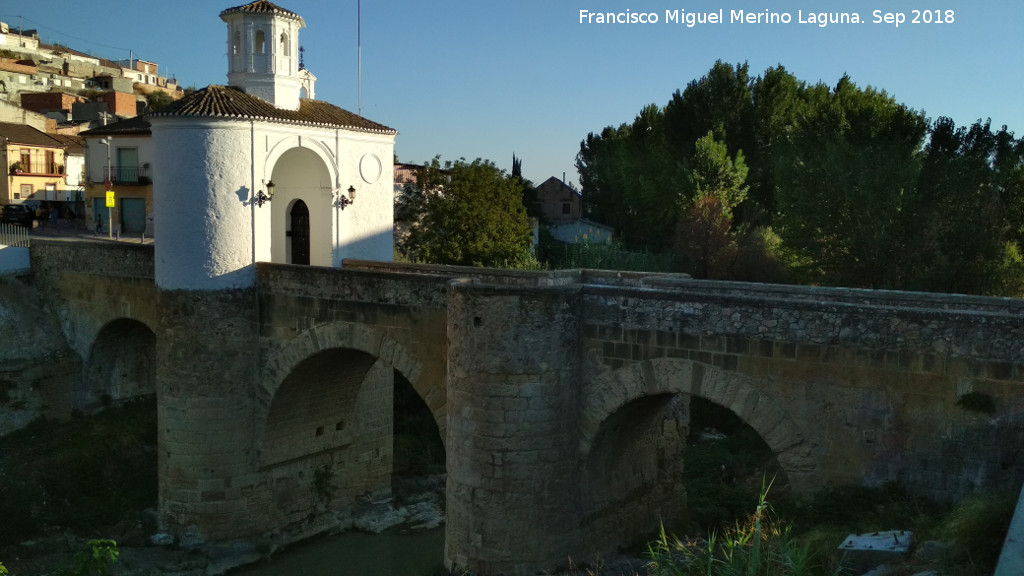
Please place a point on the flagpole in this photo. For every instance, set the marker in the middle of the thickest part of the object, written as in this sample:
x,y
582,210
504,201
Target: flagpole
x,y
359,50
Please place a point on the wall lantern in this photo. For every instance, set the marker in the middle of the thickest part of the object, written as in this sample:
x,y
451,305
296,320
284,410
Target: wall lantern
x,y
260,197
343,201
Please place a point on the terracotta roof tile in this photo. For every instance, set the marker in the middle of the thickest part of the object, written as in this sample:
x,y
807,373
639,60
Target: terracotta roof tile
x,y
263,7
227,102
137,126
24,134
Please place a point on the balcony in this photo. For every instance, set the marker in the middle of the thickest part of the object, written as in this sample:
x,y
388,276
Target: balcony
x,y
128,175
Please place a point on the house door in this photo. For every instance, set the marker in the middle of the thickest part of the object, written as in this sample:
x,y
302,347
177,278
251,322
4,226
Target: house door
x,y
127,170
299,233
133,215
99,214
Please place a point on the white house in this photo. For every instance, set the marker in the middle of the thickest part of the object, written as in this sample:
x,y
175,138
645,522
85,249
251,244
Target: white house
x,y
254,172
120,153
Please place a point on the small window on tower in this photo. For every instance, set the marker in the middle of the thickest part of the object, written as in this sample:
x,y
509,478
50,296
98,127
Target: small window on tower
x,y
237,42
260,42
284,44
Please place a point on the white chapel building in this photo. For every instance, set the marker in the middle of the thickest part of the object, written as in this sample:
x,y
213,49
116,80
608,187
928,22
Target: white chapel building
x,y
260,171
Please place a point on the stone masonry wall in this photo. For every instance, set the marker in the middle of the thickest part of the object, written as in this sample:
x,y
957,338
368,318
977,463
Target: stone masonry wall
x,y
513,463
873,385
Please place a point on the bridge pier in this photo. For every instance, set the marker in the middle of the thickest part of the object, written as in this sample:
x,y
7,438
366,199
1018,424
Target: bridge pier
x,y
513,466
207,347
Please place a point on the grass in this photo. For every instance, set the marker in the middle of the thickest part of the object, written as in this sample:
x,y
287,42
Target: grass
x,y
603,256
86,474
722,483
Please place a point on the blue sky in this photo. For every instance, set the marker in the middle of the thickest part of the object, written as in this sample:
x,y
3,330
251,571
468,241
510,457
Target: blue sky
x,y
489,78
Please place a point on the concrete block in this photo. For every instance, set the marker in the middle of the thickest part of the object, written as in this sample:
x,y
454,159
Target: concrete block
x,y
867,551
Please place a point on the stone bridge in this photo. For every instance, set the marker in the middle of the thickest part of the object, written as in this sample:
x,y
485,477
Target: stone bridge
x,y
562,398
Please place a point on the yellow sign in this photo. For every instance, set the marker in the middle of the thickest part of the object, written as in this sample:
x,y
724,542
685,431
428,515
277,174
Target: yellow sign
x,y
110,199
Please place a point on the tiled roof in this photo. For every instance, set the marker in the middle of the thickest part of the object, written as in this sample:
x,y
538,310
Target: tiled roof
x,y
72,143
227,102
23,134
137,126
263,7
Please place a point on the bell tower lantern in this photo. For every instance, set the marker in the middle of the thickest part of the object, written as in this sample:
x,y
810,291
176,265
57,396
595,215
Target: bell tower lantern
x,y
263,52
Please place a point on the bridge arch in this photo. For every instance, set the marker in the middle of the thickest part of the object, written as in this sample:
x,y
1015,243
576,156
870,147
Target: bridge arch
x,y
346,336
121,365
614,391
324,433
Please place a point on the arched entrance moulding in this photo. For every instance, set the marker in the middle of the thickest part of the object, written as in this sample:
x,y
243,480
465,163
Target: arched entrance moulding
x,y
290,142
612,390
281,362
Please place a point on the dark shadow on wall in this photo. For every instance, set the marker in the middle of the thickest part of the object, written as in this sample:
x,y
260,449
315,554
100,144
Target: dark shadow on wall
x,y
121,367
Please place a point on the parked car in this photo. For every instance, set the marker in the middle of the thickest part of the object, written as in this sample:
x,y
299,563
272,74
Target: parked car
x,y
17,214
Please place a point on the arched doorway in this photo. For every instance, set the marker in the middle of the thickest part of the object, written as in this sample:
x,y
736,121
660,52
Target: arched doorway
x,y
298,233
302,217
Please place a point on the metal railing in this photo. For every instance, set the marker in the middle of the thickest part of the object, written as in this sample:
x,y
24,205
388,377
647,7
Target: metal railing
x,y
138,175
11,235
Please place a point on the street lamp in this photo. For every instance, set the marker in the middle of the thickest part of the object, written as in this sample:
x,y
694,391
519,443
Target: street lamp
x,y
342,201
260,197
107,185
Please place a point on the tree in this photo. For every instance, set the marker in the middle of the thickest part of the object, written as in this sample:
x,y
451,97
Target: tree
x,y
527,190
467,214
705,241
158,100
844,174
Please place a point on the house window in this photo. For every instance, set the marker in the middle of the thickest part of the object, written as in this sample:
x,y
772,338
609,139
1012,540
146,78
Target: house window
x,y
261,42
566,208
26,190
51,165
26,162
284,44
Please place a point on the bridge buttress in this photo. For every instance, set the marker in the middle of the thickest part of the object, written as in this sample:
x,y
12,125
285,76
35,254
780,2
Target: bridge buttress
x,y
205,358
513,464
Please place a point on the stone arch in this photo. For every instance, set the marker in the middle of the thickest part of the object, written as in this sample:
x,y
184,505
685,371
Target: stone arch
x,y
259,42
613,390
285,144
120,366
300,173
343,335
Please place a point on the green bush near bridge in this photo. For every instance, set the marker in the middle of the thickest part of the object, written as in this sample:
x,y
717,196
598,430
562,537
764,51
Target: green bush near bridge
x,y
86,474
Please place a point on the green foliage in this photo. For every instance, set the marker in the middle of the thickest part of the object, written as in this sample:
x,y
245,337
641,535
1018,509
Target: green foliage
x,y
96,560
860,189
323,482
977,402
157,100
760,545
712,173
86,474
843,172
976,530
3,570
719,472
602,256
468,214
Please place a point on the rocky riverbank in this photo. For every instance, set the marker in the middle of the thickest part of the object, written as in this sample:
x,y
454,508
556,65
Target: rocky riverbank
x,y
418,504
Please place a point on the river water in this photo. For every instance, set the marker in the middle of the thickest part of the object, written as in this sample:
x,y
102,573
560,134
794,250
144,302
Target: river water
x,y
394,552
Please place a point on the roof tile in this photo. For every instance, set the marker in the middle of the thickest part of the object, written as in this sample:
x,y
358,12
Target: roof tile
x,y
227,102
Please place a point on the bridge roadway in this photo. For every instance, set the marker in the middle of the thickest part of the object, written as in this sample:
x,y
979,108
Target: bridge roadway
x,y
562,398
